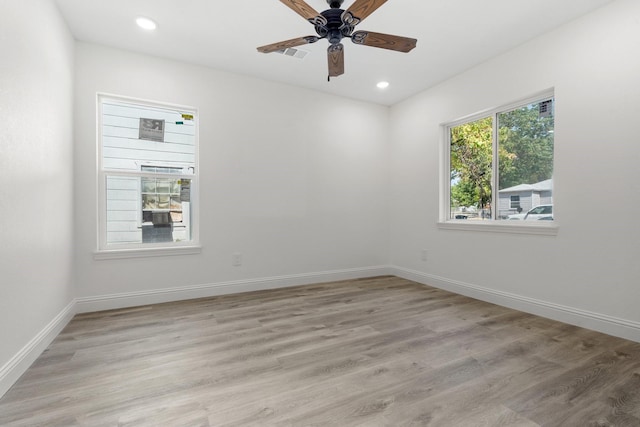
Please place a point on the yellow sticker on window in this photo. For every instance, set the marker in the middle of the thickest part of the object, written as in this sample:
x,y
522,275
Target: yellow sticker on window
x,y
187,116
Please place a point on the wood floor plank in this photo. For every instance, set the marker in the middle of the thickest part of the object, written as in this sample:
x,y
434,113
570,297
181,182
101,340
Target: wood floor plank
x,y
371,352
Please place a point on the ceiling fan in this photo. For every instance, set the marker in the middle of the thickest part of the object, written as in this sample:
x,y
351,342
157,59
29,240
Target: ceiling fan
x,y
334,24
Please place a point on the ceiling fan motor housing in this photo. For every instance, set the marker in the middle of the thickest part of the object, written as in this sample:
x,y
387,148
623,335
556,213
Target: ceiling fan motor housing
x,y
335,29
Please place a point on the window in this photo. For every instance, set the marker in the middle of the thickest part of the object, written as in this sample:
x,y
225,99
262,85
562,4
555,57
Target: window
x,y
514,203
500,163
162,194
147,168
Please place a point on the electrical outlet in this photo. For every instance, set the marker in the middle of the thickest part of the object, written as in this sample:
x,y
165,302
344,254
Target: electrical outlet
x,y
236,259
424,255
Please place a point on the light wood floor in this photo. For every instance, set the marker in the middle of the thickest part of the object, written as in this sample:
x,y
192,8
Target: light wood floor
x,y
373,352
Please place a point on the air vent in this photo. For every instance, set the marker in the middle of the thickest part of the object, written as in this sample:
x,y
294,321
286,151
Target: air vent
x,y
544,108
296,53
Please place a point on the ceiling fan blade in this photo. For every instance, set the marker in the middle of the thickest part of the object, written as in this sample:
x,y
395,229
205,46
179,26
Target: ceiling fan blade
x,y
384,41
335,54
274,47
359,10
307,12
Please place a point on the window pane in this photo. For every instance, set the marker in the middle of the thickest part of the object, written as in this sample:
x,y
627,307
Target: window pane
x,y
163,202
515,203
125,146
176,204
144,218
149,201
525,158
142,146
163,186
471,154
148,185
161,194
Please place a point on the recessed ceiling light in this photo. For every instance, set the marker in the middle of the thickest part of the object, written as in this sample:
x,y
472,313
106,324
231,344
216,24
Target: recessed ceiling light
x,y
146,23
383,85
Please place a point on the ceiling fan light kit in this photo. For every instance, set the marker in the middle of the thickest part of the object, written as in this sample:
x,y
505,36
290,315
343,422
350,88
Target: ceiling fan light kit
x,y
335,24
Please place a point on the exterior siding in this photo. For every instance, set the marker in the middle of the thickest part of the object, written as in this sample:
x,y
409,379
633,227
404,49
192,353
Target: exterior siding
x,y
504,202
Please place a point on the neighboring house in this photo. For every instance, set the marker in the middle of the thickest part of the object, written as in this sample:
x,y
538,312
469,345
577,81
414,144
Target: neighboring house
x,y
523,197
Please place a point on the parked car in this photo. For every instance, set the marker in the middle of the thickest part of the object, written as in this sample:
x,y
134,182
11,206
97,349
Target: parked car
x,y
542,212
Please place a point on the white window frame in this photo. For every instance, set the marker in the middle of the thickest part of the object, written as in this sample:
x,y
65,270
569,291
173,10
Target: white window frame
x,y
445,222
107,251
511,202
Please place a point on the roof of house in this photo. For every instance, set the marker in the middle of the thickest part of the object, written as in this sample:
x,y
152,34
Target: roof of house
x,y
546,185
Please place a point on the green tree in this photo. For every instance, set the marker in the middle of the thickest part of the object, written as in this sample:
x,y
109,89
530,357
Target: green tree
x,y
465,193
471,159
527,140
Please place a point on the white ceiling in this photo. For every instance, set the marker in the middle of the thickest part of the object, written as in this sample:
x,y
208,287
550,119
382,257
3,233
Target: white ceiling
x,y
453,35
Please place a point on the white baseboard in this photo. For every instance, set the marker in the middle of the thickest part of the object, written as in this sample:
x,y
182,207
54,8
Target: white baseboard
x,y
156,296
18,364
598,322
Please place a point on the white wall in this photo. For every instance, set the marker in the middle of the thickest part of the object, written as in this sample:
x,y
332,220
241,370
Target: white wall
x,y
296,181
591,267
36,196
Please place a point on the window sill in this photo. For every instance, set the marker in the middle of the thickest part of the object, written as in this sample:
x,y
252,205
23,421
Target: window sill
x,y
145,252
503,226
